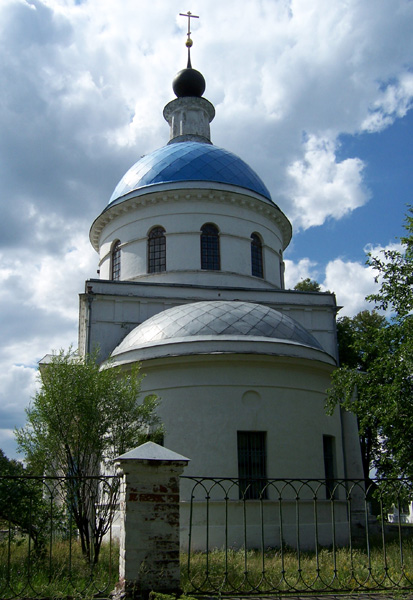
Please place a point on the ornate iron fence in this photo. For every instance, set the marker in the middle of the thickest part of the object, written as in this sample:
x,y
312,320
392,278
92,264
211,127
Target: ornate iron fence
x,y
239,537
295,536
56,537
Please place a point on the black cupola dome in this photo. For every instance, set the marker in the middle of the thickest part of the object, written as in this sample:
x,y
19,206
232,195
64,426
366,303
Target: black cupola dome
x,y
188,82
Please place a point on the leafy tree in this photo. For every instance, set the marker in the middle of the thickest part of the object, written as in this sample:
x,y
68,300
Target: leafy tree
x,y
357,339
395,274
378,364
22,503
307,285
359,348
81,418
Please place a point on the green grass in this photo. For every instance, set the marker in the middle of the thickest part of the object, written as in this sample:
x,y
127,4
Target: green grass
x,y
63,571
240,572
57,572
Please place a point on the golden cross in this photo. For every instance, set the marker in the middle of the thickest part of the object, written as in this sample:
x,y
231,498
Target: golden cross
x,y
189,42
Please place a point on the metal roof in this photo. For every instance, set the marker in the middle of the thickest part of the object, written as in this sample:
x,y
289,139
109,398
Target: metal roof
x,y
189,161
217,318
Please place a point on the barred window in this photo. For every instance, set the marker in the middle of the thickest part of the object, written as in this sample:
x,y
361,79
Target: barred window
x,y
210,259
256,256
329,464
156,250
115,261
252,464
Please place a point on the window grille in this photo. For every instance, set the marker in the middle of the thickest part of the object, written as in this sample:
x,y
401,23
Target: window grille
x,y
156,250
252,464
210,259
115,259
257,269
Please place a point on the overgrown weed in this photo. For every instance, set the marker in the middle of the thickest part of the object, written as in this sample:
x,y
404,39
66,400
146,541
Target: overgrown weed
x,y
59,571
287,569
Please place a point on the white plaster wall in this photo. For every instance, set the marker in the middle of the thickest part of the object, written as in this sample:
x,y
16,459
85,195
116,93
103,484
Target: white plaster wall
x,y
119,307
254,534
205,400
182,217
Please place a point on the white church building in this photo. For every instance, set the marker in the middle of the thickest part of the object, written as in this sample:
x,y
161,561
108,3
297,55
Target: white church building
x,y
191,285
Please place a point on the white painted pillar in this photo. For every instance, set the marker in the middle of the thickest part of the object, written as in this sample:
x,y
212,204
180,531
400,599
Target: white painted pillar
x,y
149,507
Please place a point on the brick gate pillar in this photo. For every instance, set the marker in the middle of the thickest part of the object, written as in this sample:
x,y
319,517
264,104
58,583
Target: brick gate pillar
x,y
149,509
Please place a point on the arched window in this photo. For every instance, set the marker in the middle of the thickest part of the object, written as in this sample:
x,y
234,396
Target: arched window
x,y
156,250
282,269
210,259
256,256
115,261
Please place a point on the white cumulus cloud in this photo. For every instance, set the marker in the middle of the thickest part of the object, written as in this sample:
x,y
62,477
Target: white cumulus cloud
x,y
323,188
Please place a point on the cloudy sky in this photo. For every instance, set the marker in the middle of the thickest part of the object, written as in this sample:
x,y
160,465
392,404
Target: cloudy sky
x,y
314,95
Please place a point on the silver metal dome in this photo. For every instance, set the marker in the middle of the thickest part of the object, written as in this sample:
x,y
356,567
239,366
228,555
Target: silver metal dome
x,y
216,319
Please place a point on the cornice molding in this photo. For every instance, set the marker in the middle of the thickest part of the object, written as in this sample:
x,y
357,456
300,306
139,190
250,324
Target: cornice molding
x,y
271,211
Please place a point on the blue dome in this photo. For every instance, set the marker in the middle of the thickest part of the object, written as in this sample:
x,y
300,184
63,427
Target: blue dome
x,y
189,161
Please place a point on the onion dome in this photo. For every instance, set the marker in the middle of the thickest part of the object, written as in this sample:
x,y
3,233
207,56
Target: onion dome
x,y
188,82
